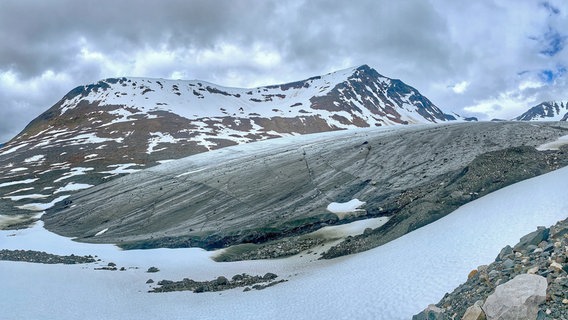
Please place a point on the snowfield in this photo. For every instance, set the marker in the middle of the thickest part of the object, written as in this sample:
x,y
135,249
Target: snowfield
x,y
393,281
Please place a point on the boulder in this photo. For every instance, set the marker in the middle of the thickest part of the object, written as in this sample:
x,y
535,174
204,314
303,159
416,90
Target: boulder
x,y
474,312
533,238
518,298
505,252
430,313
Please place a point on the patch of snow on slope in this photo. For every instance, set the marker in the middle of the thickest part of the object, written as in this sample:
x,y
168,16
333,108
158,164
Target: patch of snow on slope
x,y
349,229
42,206
20,190
344,207
36,158
101,232
77,171
156,138
88,138
121,168
12,183
13,149
122,115
554,145
72,186
26,196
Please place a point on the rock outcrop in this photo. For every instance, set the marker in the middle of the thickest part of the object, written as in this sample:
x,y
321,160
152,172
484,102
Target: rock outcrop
x,y
528,281
516,299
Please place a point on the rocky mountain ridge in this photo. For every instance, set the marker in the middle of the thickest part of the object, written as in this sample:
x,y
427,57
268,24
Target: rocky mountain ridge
x,y
546,111
117,126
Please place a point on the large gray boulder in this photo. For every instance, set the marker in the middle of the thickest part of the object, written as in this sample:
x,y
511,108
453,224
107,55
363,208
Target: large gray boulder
x,y
518,298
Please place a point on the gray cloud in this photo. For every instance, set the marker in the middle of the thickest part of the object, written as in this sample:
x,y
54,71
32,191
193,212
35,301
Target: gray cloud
x,y
493,50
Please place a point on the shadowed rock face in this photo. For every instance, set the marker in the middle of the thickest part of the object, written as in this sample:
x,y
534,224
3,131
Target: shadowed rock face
x,y
269,190
546,111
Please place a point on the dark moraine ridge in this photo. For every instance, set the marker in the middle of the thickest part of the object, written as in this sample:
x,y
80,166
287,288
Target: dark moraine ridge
x,y
266,192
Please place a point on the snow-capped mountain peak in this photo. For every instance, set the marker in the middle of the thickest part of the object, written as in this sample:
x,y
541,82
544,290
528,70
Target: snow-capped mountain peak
x,y
351,97
120,125
546,111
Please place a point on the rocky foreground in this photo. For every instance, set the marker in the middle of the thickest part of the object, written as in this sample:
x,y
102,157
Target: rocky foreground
x,y
220,284
43,257
527,281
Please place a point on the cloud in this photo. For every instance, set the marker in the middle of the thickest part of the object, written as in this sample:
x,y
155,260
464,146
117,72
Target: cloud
x,y
460,87
552,42
459,54
551,8
505,106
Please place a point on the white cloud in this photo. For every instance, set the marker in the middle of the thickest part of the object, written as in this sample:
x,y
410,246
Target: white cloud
x,y
460,87
506,106
530,84
490,51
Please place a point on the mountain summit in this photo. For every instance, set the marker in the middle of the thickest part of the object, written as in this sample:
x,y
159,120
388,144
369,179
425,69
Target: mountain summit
x,y
546,111
120,125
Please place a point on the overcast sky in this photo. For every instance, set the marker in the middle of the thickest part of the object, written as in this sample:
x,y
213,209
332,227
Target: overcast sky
x,y
485,58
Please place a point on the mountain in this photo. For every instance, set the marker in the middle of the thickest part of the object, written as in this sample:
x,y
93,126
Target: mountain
x,y
546,111
116,126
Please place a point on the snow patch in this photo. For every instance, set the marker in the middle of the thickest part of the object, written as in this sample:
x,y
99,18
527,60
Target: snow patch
x,y
42,206
343,209
72,186
554,145
77,171
26,196
12,183
88,138
13,149
20,190
36,158
349,229
158,137
121,169
101,232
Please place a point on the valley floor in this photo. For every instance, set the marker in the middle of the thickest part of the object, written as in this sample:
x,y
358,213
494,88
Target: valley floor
x,y
393,281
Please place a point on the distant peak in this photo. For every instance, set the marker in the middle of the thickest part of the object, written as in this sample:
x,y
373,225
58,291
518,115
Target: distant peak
x,y
366,70
364,67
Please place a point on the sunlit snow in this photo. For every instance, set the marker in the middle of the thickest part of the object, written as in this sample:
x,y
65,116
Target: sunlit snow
x,y
12,183
41,206
554,145
392,282
72,186
343,207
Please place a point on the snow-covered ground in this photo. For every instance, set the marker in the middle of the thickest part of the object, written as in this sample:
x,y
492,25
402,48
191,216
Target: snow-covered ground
x,y
393,281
